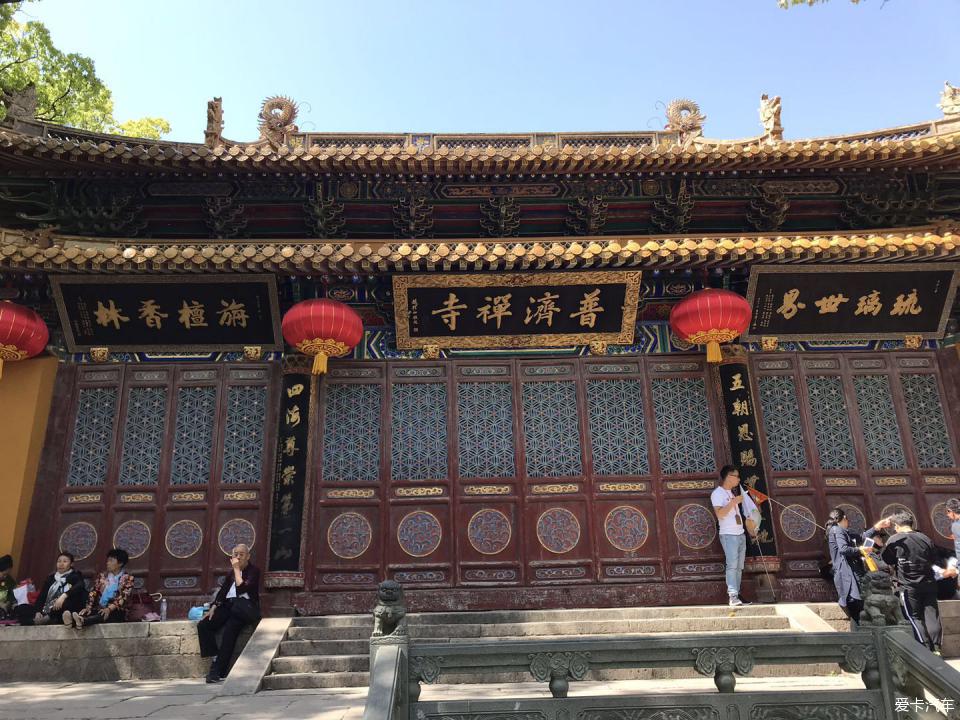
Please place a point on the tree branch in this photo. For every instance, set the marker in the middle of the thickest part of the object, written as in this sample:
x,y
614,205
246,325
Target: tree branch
x,y
50,113
17,62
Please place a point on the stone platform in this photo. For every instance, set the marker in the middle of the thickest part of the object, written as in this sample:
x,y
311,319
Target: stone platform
x,y
193,700
332,652
127,651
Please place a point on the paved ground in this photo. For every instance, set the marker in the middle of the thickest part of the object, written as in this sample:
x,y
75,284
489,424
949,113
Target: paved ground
x,y
194,700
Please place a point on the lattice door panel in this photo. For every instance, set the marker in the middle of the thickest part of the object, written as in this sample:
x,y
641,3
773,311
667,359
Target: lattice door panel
x,y
875,428
170,462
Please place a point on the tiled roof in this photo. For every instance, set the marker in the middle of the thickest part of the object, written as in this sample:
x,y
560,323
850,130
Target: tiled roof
x,y
930,144
73,254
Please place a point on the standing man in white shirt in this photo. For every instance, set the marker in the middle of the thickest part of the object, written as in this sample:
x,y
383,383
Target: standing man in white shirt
x,y
726,504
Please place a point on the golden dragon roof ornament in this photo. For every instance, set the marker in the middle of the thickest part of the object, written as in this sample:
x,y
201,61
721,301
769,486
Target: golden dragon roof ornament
x,y
276,120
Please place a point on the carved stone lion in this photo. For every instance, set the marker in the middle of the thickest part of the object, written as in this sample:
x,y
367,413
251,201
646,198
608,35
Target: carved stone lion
x,y
389,616
880,605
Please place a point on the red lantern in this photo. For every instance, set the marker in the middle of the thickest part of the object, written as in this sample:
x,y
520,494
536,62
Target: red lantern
x,y
23,333
711,317
322,328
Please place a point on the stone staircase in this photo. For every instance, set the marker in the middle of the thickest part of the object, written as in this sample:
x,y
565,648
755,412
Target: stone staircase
x,y
332,651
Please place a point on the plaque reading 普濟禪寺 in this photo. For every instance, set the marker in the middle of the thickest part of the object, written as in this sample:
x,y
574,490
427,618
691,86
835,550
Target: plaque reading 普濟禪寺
x,y
168,312
832,302
498,310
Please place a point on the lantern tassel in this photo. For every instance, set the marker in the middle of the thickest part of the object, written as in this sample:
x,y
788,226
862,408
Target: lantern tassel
x,y
319,364
713,352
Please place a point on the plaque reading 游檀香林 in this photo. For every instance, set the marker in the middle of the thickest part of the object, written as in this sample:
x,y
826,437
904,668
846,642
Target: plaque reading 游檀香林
x,y
168,312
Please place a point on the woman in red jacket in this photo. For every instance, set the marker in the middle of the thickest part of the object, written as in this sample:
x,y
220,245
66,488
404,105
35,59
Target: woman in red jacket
x,y
110,596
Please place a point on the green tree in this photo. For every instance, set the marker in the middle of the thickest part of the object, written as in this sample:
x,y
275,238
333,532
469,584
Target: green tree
x,y
66,85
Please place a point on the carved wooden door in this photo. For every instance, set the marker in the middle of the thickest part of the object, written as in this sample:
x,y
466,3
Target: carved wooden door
x,y
867,433
169,462
508,472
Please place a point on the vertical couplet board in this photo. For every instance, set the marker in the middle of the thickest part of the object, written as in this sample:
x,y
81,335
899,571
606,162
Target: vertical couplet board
x,y
739,407
289,496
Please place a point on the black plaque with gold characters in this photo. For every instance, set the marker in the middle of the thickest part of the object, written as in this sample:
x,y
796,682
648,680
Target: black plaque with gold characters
x,y
745,447
290,483
497,310
833,302
168,312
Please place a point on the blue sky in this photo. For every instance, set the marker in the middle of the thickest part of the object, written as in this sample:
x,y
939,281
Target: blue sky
x,y
516,65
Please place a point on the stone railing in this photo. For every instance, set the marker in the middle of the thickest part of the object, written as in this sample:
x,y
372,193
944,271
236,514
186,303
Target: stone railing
x,y
891,664
924,686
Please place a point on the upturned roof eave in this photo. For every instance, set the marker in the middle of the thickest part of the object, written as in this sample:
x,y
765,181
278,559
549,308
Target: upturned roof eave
x,y
888,149
70,254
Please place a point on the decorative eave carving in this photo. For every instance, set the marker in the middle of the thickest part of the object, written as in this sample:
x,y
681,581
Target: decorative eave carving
x,y
673,213
76,208
324,216
500,217
73,254
768,212
225,217
413,217
587,215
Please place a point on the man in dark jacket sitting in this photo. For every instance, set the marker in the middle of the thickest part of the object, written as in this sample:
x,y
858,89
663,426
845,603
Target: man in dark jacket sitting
x,y
237,605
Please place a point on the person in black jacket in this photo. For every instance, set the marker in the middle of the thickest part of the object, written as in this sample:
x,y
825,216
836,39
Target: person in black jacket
x,y
911,556
62,592
237,605
847,562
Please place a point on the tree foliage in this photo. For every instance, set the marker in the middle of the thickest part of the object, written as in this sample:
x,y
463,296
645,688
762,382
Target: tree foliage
x,y
68,91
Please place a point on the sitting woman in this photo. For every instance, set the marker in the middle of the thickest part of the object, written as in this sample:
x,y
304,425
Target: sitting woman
x,y
110,595
7,584
61,594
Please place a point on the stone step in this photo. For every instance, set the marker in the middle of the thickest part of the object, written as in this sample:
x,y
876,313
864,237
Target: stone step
x,y
305,680
517,616
581,627
323,647
317,656
301,648
832,614
330,633
320,664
